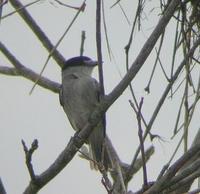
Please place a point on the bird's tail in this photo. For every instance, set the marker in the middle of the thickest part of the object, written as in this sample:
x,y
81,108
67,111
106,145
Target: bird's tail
x,y
96,145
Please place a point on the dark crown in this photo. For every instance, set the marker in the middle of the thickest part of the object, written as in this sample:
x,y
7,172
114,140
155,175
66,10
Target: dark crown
x,y
75,61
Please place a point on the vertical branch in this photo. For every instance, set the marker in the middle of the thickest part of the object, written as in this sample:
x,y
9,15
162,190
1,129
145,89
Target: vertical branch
x,y
185,49
99,55
82,43
98,44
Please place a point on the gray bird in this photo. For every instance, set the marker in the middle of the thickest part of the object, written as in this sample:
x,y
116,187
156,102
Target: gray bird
x,y
79,96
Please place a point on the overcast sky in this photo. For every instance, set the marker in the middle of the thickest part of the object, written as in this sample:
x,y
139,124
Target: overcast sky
x,y
40,115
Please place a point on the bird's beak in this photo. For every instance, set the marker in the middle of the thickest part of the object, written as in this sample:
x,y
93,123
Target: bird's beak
x,y
91,63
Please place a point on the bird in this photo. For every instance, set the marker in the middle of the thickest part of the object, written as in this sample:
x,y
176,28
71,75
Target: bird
x,y
79,96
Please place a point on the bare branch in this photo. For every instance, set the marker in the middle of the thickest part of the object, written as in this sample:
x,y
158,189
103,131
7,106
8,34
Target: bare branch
x,y
57,44
98,45
69,6
160,184
144,53
116,171
8,71
28,154
2,189
182,182
2,3
162,99
21,70
82,43
63,159
140,131
38,31
25,6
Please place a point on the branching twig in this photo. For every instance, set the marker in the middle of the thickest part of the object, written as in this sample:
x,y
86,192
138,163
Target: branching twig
x,y
115,3
69,6
28,154
147,88
17,10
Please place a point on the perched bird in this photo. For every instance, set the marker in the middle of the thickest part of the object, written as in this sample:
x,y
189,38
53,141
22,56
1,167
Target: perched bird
x,y
79,96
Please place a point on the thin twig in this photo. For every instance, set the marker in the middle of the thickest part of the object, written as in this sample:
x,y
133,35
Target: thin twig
x,y
127,47
2,3
115,3
57,44
82,43
147,88
161,101
28,154
69,6
37,31
19,9
142,144
124,13
105,30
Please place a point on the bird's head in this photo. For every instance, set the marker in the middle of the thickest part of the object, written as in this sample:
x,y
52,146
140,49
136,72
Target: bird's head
x,y
79,62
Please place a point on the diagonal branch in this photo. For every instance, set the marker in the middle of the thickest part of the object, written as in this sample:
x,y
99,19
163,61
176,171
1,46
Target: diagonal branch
x,y
159,185
21,70
2,189
38,32
144,53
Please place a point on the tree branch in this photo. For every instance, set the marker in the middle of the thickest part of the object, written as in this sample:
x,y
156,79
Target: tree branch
x,y
38,31
21,70
144,53
161,101
8,71
2,189
160,184
77,141
28,154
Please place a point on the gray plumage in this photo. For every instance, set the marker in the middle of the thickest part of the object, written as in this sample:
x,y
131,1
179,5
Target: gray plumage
x,y
79,96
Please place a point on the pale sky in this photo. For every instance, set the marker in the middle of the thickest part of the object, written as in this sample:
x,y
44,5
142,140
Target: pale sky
x,y
40,115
